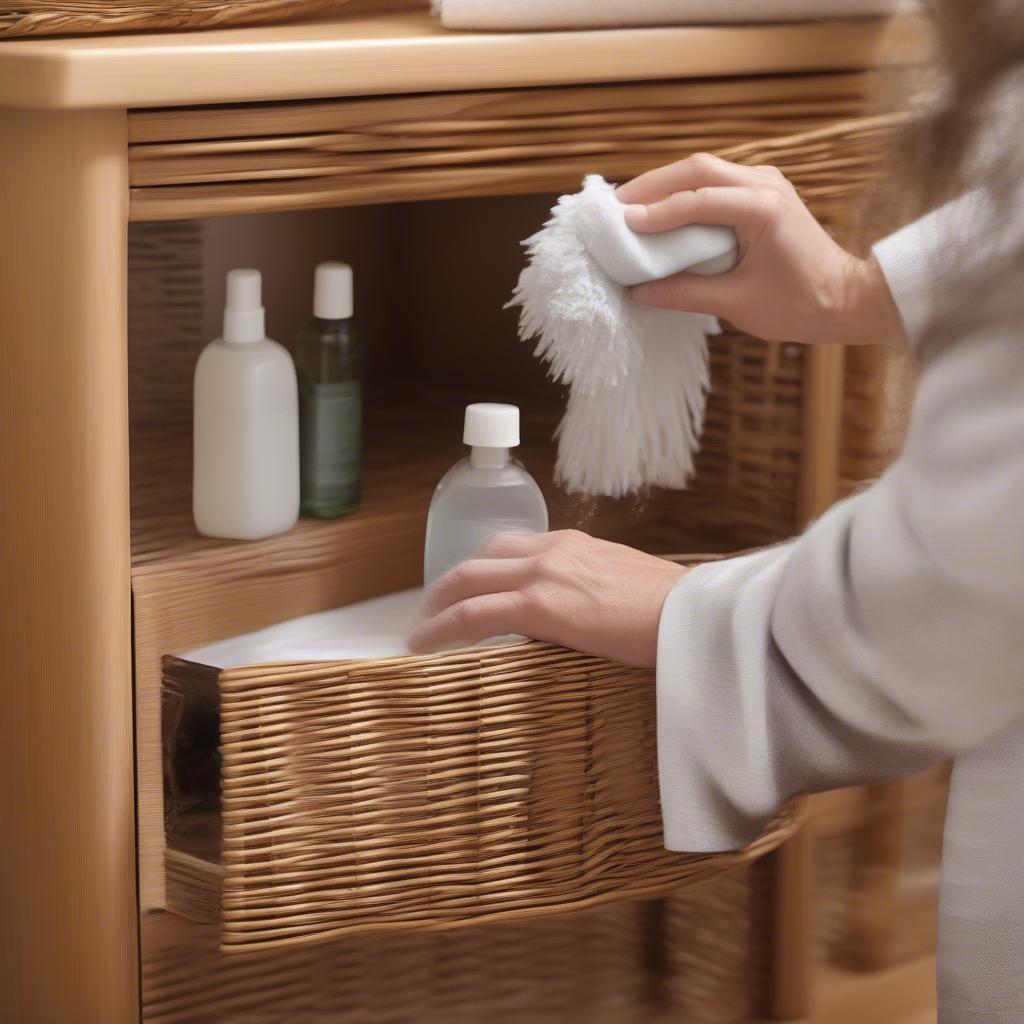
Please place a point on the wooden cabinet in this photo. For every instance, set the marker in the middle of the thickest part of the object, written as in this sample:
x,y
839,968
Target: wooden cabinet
x,y
99,135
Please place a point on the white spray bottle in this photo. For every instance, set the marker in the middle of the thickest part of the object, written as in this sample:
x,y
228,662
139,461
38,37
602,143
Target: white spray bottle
x,y
245,481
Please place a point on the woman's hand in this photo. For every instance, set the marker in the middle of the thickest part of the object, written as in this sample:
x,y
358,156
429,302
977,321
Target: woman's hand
x,y
563,587
793,282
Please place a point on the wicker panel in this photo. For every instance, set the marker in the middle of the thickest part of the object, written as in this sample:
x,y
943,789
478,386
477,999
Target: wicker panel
x,y
202,161
78,17
836,873
744,491
585,967
878,393
716,948
436,791
165,326
876,866
75,17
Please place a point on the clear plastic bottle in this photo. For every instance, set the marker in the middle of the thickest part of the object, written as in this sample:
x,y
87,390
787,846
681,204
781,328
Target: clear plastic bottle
x,y
329,358
484,494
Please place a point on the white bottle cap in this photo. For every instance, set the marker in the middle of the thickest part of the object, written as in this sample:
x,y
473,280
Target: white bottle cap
x,y
332,291
490,425
243,309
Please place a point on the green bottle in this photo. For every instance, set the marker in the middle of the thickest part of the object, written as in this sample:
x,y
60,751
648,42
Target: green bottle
x,y
328,358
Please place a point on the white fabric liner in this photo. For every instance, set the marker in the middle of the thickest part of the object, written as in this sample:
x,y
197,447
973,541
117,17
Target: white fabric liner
x,y
573,14
377,628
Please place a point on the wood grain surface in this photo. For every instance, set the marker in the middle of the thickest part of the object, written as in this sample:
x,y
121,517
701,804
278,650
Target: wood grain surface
x,y
409,52
67,865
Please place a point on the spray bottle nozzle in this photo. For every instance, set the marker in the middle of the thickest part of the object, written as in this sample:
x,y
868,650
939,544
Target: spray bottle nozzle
x,y
243,307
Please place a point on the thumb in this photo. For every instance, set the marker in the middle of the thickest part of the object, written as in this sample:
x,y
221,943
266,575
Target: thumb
x,y
689,293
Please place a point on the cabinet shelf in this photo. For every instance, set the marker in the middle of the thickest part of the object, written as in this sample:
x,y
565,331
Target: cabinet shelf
x,y
410,442
408,51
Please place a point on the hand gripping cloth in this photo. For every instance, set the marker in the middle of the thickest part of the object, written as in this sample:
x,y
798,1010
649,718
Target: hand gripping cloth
x,y
637,376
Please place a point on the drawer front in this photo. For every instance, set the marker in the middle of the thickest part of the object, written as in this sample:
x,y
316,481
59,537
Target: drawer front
x,y
435,792
588,966
202,161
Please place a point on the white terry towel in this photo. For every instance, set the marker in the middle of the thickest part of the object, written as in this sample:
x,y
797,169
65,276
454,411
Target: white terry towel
x,y
369,629
554,14
637,376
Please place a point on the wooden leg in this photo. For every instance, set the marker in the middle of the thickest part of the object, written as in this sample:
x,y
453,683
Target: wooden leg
x,y
822,430
873,911
819,487
68,941
793,933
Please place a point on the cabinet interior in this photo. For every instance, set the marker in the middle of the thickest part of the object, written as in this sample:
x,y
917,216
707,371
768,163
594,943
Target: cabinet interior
x,y
431,281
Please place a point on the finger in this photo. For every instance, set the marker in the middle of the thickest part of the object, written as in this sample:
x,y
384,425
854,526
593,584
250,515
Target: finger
x,y
730,206
469,622
475,577
689,293
697,171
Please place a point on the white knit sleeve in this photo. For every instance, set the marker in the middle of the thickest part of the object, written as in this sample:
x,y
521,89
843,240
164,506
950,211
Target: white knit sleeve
x,y
887,636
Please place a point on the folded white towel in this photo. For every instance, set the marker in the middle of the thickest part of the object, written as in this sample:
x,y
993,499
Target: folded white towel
x,y
369,629
552,14
637,376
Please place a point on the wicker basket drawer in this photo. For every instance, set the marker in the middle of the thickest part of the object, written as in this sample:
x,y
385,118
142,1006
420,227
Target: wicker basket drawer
x,y
587,966
414,792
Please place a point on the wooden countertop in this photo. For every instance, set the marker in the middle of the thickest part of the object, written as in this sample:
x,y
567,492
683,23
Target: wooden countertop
x,y
410,52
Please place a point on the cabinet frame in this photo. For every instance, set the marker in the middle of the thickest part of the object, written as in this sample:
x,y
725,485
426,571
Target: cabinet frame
x,y
69,886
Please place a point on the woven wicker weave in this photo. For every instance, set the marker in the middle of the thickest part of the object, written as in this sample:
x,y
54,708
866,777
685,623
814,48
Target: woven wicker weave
x,y
716,953
243,158
436,791
876,872
74,17
582,967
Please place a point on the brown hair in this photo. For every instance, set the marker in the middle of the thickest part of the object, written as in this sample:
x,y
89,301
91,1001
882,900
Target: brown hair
x,y
970,135
980,49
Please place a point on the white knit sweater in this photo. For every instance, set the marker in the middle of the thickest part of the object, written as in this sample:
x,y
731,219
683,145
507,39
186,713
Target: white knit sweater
x,y
888,636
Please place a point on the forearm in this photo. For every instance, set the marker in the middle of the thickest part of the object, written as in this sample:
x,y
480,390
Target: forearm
x,y
757,704
848,656
865,313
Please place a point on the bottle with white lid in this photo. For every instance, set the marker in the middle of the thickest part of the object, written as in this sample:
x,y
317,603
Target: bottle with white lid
x,y
328,357
245,481
485,494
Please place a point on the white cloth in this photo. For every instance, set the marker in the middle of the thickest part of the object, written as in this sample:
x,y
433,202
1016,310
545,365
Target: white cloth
x,y
368,629
889,636
637,376
553,14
